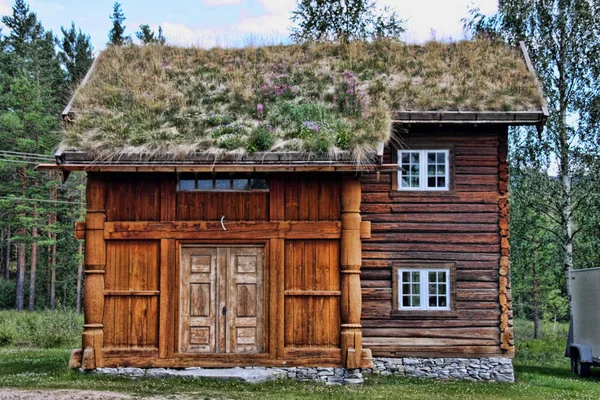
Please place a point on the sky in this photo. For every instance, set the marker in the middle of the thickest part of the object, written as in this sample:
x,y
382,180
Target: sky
x,y
211,23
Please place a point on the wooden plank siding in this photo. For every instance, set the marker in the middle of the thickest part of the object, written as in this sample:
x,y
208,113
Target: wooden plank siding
x,y
459,226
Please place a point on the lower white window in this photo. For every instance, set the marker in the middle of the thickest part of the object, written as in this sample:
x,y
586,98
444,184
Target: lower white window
x,y
424,169
423,289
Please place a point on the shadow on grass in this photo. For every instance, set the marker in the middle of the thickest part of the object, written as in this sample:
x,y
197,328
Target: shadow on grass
x,y
556,372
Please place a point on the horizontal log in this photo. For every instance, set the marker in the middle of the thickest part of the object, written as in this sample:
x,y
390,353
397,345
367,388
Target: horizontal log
x,y
131,292
397,323
433,247
430,197
214,230
422,341
490,217
445,332
445,208
430,255
430,227
458,238
387,264
439,351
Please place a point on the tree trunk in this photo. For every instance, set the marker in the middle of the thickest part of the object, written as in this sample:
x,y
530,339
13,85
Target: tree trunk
x,y
20,283
536,304
6,255
34,247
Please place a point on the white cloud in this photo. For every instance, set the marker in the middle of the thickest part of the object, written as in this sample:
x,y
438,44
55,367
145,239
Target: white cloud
x,y
273,25
222,2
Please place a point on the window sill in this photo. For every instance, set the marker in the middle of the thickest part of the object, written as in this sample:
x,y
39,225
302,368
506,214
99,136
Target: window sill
x,y
400,193
423,314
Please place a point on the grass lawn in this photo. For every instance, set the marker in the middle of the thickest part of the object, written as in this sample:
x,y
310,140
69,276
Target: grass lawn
x,y
541,371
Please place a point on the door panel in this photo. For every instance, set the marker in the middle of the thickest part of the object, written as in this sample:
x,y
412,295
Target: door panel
x,y
222,300
245,302
198,299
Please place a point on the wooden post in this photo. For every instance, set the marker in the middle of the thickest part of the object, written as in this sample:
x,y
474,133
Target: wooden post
x,y
95,263
350,263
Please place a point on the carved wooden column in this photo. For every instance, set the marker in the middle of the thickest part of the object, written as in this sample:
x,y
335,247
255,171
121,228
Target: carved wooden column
x,y
350,263
95,263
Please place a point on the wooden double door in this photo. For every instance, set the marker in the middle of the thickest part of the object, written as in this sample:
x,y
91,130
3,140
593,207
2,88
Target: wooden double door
x,y
222,299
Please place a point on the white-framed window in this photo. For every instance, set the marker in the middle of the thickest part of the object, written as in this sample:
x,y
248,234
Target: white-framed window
x,y
190,182
423,289
424,169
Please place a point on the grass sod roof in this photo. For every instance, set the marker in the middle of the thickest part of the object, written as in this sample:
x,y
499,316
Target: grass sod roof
x,y
336,101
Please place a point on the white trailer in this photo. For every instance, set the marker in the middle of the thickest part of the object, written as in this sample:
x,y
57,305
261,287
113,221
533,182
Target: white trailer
x,y
583,345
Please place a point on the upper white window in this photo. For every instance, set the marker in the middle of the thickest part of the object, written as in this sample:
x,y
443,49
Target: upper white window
x,y
424,169
423,289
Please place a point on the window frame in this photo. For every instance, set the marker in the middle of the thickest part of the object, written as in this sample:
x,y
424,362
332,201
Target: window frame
x,y
424,311
218,177
424,289
423,164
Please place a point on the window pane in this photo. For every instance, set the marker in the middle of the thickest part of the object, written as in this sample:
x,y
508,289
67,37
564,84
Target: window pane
x,y
441,169
186,184
414,169
414,158
416,276
442,289
416,289
433,289
441,158
414,182
405,158
416,301
405,276
441,182
431,170
406,167
406,288
443,302
430,182
405,182
240,184
432,277
223,184
205,184
442,276
431,157
405,301
258,184
432,301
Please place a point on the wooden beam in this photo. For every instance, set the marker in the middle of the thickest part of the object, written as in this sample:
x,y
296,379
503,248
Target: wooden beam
x,y
92,166
95,263
350,263
214,230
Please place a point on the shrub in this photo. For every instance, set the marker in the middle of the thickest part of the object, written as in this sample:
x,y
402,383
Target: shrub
x,y
41,329
7,294
261,139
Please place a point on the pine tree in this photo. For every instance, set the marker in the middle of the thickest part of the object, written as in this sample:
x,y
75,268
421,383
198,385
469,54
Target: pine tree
x,y
146,35
116,36
76,54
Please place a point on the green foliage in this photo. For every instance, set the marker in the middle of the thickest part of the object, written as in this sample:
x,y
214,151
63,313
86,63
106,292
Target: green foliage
x,y
42,329
261,139
7,294
147,35
116,35
76,54
343,20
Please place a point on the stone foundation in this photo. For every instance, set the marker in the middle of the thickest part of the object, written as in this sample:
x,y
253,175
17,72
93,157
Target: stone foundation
x,y
470,369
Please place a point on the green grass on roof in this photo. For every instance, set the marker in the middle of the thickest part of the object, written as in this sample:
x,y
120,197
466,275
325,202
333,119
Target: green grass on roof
x,y
317,98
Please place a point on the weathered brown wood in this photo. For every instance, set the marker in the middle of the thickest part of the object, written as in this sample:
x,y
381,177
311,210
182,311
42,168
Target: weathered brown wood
x,y
167,300
350,263
276,298
214,230
95,261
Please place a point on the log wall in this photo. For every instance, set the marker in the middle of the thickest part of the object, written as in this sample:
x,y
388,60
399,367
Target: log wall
x,y
461,227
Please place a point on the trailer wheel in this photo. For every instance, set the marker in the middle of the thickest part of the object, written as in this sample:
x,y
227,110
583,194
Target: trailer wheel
x,y
580,368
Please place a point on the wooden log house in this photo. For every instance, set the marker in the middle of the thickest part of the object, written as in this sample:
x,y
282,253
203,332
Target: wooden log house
x,y
283,258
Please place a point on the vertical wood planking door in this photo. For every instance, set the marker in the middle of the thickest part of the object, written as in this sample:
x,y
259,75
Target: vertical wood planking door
x,y
245,300
198,299
222,299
